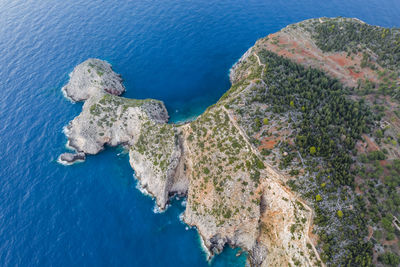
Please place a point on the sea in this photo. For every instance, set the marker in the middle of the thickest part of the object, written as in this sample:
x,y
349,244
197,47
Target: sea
x,y
178,51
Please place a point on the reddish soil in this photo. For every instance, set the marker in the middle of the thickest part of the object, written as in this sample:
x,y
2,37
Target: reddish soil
x,y
390,242
370,232
358,190
268,142
354,74
314,238
383,163
339,59
372,146
308,54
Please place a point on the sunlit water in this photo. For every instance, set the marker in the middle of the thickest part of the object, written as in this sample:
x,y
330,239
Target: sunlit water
x,y
91,214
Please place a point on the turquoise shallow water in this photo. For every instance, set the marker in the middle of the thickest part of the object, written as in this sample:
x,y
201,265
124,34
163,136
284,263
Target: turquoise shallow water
x,y
91,214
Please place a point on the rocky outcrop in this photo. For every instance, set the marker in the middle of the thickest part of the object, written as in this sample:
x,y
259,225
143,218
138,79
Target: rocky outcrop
x,y
92,77
107,119
70,158
111,120
155,157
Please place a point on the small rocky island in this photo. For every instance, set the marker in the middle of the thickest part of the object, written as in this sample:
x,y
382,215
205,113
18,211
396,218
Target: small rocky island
x,y
272,166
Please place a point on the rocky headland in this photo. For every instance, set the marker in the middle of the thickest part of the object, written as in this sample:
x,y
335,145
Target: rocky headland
x,y
228,205
253,173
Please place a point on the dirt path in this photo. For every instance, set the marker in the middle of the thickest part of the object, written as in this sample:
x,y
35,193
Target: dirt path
x,y
260,64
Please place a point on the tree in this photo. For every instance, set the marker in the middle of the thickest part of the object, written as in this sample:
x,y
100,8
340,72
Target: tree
x,y
313,150
257,124
379,133
318,198
390,258
340,213
265,121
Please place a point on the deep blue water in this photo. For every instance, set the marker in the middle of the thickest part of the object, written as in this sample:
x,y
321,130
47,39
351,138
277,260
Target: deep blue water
x,y
179,51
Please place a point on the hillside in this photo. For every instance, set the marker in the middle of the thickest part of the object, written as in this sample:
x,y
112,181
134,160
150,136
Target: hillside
x,y
297,164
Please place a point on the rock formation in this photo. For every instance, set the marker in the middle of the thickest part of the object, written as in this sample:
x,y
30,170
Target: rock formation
x,y
90,78
107,119
70,158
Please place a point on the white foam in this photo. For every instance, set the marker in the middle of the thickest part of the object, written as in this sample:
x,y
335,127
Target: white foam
x,y
157,209
181,219
124,151
142,189
65,93
184,203
205,249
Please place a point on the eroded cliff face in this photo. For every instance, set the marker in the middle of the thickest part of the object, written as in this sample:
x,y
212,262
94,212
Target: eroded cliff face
x,y
157,160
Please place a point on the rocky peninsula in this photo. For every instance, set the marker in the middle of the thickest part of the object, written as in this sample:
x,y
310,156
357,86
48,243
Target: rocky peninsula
x,y
259,165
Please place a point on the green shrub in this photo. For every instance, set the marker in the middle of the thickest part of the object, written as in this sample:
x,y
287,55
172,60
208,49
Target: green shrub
x,y
340,213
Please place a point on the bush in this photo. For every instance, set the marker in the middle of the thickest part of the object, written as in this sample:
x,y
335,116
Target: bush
x,y
340,213
265,152
376,155
260,164
206,170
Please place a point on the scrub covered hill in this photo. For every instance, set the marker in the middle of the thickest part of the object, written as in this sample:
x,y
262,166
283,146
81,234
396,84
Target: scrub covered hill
x,y
325,110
